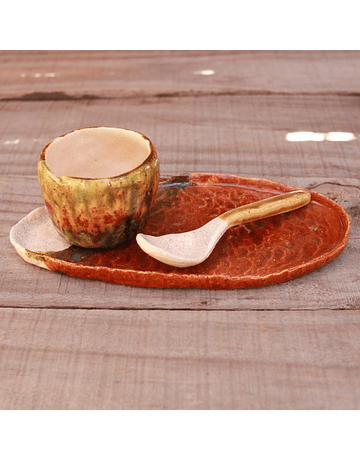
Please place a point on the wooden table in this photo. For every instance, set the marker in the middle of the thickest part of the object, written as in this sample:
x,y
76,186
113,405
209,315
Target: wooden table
x,y
69,343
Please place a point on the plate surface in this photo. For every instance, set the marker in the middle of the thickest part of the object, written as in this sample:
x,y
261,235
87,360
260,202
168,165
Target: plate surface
x,y
260,253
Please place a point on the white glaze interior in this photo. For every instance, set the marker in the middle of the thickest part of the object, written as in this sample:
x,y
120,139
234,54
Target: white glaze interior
x,y
97,153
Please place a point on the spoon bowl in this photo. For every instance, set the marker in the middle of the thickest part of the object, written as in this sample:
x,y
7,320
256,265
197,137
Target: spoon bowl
x,y
193,247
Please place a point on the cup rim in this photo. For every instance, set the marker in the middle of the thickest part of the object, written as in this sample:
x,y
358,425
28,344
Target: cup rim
x,y
151,153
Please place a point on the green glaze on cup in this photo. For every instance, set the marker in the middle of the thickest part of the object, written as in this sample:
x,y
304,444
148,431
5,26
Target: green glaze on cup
x,y
99,212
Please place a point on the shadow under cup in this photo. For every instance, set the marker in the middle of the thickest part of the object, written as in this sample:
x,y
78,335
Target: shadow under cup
x,y
99,184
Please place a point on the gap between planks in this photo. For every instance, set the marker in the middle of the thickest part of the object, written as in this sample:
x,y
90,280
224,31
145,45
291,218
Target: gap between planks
x,y
240,310
52,96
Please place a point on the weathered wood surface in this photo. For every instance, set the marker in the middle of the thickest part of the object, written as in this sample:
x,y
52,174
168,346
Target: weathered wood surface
x,y
244,135
79,359
68,74
334,286
68,343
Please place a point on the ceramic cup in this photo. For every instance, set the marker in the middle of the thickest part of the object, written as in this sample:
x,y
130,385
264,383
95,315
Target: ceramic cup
x,y
99,184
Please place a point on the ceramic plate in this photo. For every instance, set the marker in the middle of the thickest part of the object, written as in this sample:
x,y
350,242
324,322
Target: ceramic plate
x,y
260,253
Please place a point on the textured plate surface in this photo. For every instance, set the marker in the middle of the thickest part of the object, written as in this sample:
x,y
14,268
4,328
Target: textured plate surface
x,y
268,251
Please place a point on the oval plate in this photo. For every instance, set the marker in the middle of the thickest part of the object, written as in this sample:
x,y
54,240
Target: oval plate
x,y
260,253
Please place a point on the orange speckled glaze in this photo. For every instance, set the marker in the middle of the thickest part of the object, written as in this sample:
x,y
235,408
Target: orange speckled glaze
x,y
265,252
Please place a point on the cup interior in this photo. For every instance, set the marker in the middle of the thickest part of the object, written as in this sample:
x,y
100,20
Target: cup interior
x,y
95,153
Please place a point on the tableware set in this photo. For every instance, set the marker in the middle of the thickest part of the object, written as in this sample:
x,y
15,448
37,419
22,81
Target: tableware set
x,y
110,216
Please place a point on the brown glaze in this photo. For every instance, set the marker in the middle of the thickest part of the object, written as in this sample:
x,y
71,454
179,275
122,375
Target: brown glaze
x,y
268,251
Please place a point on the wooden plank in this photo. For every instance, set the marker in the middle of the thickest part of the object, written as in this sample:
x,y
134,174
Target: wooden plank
x,y
334,286
79,346
243,135
71,359
129,73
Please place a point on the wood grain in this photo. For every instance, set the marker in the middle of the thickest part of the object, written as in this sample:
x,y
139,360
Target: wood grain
x,y
67,74
243,135
53,359
68,343
334,286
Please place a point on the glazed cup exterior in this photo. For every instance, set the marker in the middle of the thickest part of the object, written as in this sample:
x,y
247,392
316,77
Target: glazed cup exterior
x,y
104,212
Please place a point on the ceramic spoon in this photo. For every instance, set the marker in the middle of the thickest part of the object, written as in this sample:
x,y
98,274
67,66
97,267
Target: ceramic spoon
x,y
192,248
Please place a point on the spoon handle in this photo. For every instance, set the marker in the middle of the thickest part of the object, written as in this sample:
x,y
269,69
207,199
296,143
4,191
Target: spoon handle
x,y
277,204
